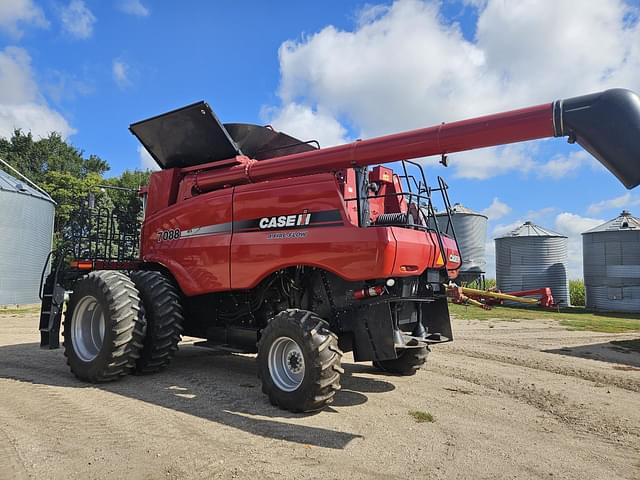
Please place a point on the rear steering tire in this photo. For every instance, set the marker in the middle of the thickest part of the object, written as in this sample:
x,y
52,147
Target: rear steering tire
x,y
103,327
299,361
408,362
164,318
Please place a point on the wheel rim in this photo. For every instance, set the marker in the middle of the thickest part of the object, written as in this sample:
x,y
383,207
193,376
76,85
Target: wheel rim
x,y
286,364
88,325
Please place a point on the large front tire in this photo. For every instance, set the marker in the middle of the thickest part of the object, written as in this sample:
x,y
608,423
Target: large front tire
x,y
164,318
408,362
299,361
104,326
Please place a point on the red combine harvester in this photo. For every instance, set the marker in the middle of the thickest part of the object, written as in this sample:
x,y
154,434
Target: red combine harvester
x,y
259,242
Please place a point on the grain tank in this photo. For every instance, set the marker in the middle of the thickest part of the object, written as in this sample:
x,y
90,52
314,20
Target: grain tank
x,y
611,254
532,257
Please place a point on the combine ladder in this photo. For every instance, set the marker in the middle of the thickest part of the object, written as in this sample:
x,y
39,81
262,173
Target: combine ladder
x,y
51,312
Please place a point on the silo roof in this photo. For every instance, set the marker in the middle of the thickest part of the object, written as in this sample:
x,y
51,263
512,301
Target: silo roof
x,y
624,221
459,208
530,229
9,183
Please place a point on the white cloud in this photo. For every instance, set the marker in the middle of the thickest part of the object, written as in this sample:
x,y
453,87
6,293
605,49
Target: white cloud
x,y
562,165
305,124
146,160
21,104
542,215
403,67
77,19
497,209
623,201
502,229
490,162
16,13
133,7
120,71
573,226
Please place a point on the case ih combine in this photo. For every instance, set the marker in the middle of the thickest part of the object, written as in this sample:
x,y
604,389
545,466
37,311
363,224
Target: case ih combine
x,y
259,242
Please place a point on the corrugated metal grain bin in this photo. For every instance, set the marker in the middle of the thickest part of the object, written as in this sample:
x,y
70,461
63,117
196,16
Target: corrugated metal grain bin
x,y
611,256
532,257
26,232
471,232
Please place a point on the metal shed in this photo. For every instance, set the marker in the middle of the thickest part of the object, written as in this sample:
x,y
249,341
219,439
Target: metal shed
x,y
26,233
611,256
532,257
471,233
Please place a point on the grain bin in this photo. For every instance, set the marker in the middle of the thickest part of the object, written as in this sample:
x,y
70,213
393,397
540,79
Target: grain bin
x,y
471,233
611,255
532,257
26,231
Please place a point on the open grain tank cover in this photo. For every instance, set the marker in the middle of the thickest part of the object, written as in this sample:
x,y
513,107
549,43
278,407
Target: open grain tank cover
x,y
188,136
193,135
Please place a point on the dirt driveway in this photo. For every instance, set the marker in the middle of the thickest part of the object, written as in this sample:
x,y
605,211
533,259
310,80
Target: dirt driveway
x,y
515,400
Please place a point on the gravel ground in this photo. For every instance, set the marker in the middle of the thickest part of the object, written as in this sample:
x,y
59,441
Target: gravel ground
x,y
515,400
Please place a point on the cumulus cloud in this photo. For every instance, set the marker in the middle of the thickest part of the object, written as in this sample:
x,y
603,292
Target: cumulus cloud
x,y
120,71
623,201
502,229
77,19
133,7
305,124
573,225
489,162
15,14
402,66
146,160
497,209
21,103
560,166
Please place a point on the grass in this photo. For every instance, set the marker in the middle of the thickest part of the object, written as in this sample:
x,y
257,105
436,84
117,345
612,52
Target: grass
x,y
18,310
421,417
574,318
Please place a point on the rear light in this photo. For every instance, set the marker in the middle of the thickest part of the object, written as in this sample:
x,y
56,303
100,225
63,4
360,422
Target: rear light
x,y
81,265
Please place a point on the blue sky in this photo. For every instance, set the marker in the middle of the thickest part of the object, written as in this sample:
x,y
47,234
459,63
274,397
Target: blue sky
x,y
336,71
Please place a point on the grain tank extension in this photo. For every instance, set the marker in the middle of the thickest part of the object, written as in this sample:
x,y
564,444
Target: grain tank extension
x,y
259,242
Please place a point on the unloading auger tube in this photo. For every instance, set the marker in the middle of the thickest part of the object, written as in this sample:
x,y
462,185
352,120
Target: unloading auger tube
x,y
606,124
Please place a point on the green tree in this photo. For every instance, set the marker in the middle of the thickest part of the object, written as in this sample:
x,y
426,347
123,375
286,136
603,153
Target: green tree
x,y
37,158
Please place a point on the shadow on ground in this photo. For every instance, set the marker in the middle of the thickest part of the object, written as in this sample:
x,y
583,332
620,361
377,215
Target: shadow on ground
x,y
624,352
216,386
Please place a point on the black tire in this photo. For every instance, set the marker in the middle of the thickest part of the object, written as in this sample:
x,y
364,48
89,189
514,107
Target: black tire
x,y
122,320
407,363
164,318
322,357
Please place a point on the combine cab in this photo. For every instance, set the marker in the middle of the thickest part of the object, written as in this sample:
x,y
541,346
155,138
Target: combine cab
x,y
257,242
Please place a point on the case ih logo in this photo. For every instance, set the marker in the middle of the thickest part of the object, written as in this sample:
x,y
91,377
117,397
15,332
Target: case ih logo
x,y
285,221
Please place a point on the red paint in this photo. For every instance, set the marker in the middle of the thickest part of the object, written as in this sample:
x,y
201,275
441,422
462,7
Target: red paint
x,y
369,292
498,129
199,264
240,260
